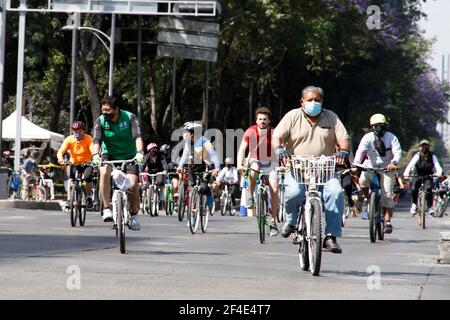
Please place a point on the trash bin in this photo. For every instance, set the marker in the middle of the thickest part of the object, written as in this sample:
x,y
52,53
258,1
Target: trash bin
x,y
4,190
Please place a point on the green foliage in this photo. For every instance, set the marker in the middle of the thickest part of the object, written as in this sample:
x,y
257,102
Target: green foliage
x,y
276,47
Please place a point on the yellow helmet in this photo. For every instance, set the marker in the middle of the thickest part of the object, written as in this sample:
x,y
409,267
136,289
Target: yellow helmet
x,y
377,118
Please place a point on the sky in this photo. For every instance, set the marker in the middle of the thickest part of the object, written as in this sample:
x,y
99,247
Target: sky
x,y
437,25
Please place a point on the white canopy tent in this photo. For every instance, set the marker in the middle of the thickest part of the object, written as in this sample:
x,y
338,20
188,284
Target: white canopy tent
x,y
30,132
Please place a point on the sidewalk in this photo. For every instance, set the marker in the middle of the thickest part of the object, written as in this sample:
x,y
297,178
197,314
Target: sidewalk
x,y
31,204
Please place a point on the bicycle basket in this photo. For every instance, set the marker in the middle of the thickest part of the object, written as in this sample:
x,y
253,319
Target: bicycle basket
x,y
313,170
120,179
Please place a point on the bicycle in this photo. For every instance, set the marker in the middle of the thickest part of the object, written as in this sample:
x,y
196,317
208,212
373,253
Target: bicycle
x,y
77,200
154,194
281,209
197,211
225,201
422,200
169,194
376,219
262,203
442,196
183,194
144,186
312,172
120,204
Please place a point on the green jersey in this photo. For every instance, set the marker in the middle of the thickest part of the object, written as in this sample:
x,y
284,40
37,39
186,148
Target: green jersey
x,y
118,138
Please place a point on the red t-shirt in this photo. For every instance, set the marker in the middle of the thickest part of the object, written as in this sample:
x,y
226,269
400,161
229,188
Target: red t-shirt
x,y
261,151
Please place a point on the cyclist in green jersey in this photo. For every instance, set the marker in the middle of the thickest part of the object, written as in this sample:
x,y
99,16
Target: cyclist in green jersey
x,y
117,136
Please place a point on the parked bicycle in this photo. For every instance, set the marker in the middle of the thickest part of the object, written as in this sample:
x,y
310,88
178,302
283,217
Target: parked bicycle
x,y
312,172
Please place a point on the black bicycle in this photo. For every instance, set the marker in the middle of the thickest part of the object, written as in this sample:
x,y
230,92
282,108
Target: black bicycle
x,y
77,201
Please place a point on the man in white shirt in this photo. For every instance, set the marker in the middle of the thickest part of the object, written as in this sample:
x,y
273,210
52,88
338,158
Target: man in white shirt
x,y
425,164
382,150
229,175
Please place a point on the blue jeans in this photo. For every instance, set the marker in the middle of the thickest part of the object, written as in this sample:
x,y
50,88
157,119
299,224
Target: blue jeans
x,y
332,201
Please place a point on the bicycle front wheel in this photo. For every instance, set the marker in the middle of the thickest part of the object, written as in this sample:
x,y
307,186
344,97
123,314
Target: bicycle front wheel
x,y
374,205
169,201
280,209
204,216
261,217
120,221
181,205
441,206
73,209
82,207
193,213
422,208
315,239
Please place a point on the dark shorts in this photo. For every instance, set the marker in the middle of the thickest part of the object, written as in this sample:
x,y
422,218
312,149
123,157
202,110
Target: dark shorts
x,y
85,170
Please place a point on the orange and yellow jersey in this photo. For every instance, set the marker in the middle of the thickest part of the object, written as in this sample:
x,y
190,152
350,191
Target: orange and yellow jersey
x,y
80,150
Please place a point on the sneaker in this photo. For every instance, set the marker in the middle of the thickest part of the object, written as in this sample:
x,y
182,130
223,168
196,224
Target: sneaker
x,y
135,224
431,212
250,203
67,204
107,215
233,212
413,209
330,244
287,229
89,203
388,227
365,215
274,230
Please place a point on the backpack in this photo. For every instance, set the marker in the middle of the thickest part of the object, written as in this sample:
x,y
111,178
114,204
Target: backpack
x,y
15,182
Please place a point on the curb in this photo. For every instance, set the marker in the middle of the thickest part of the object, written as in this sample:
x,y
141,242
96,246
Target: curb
x,y
31,204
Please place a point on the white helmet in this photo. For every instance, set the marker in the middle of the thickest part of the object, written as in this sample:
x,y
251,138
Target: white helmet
x,y
192,125
228,161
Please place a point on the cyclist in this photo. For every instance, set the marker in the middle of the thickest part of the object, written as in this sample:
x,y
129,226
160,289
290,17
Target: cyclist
x,y
79,145
229,175
424,163
313,131
29,171
380,149
261,157
203,156
46,176
117,135
154,162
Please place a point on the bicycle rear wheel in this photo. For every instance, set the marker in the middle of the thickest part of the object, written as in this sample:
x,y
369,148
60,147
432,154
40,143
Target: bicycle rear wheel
x,y
193,213
315,240
143,200
120,221
261,217
204,216
73,204
374,205
181,206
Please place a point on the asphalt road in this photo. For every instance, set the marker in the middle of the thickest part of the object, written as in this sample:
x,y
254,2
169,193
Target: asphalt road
x,y
43,257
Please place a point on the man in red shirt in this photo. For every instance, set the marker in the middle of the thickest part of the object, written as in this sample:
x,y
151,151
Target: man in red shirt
x,y
261,156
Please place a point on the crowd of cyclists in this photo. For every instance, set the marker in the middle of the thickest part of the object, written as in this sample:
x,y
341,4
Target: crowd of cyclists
x,y
309,130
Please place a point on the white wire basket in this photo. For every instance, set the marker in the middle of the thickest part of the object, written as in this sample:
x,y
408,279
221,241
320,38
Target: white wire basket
x,y
313,170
